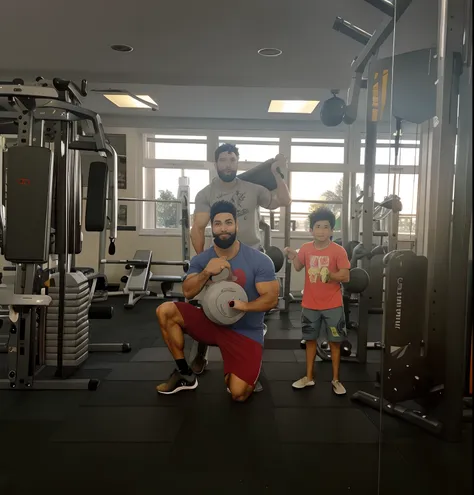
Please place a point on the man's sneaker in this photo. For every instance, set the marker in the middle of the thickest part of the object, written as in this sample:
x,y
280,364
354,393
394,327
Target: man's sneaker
x,y
176,383
338,387
303,382
199,364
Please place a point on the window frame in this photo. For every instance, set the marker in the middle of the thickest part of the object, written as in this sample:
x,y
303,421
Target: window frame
x,y
352,143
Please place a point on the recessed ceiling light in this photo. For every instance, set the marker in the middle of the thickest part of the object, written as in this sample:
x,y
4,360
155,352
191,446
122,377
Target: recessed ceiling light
x,y
128,101
270,52
292,106
122,48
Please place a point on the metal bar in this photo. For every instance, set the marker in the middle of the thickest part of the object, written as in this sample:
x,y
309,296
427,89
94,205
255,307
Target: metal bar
x,y
145,200
345,208
135,262
318,201
62,232
285,149
457,306
378,38
103,237
440,193
314,145
349,29
367,215
384,5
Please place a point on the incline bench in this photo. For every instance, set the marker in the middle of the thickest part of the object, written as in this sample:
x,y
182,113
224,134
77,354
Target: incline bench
x,y
136,283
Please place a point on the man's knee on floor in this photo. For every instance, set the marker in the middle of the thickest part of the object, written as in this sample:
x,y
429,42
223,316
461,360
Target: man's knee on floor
x,y
239,390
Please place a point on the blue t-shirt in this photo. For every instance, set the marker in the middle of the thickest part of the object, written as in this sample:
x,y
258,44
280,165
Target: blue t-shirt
x,y
249,267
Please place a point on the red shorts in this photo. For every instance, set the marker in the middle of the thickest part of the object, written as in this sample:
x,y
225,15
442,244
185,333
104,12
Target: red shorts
x,y
242,356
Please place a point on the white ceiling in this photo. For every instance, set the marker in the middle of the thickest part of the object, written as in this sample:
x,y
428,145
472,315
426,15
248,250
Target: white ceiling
x,y
199,59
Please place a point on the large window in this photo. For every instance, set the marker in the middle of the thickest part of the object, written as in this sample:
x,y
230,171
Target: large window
x,y
176,147
408,153
316,164
403,185
311,190
317,150
253,149
166,189
168,157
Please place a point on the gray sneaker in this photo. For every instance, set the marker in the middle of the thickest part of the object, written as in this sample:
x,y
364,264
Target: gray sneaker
x,y
258,387
199,364
338,387
176,383
303,382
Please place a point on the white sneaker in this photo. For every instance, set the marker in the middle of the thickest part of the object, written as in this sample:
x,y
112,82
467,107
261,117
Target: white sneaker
x,y
303,382
338,387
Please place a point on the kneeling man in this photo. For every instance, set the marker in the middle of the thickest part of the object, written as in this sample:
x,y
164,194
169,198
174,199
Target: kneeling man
x,y
241,344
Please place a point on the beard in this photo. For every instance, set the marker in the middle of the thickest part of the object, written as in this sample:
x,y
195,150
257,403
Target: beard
x,y
224,243
227,177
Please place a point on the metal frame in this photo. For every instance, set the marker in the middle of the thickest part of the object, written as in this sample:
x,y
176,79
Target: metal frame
x,y
445,226
34,105
455,329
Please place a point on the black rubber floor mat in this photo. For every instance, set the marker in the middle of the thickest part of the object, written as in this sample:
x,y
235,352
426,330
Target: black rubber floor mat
x,y
278,356
349,372
45,405
154,354
354,470
325,425
141,371
121,424
136,394
321,395
283,371
283,344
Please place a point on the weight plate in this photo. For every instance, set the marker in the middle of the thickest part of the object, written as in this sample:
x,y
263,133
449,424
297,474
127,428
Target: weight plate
x,y
215,302
220,277
277,256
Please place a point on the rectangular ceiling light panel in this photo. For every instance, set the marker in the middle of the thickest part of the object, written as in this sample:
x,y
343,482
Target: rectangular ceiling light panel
x,y
292,106
127,101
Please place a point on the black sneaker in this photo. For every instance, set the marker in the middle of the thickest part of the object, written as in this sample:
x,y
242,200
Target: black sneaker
x,y
176,383
199,364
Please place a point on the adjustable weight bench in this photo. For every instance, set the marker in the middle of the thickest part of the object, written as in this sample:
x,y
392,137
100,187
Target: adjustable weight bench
x,y
167,283
136,283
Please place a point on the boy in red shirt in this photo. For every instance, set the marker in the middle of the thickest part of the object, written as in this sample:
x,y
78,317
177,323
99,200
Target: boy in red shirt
x,y
327,266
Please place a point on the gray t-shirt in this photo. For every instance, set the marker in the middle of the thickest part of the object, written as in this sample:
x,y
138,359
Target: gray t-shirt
x,y
247,197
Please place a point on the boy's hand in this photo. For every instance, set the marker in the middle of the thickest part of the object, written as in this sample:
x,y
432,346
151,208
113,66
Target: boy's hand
x,y
290,253
325,275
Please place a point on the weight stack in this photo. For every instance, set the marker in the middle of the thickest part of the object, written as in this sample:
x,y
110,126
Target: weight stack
x,y
76,321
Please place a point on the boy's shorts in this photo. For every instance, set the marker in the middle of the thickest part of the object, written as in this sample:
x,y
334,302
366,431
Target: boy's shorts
x,y
327,323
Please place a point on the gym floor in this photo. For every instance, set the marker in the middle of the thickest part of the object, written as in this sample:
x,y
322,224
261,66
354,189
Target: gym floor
x,y
126,439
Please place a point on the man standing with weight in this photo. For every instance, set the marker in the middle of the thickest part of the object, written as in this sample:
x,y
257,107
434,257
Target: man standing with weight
x,y
247,198
241,344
